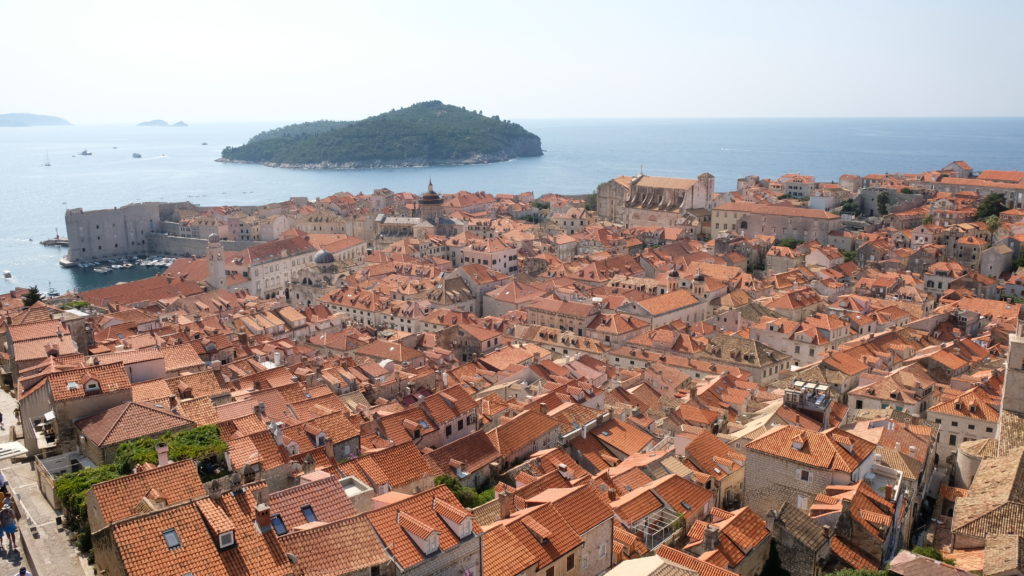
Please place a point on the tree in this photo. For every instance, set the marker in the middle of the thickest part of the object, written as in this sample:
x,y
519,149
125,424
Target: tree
x,y
591,203
787,242
32,296
989,205
883,202
992,223
70,489
467,496
928,219
849,255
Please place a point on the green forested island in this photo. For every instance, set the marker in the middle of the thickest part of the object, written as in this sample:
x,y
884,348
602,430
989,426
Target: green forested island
x,y
424,134
23,120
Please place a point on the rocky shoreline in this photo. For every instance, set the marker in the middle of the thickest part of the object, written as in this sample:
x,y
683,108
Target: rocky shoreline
x,y
372,165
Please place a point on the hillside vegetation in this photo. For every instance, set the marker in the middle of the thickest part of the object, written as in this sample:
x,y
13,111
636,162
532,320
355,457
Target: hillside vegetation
x,y
424,134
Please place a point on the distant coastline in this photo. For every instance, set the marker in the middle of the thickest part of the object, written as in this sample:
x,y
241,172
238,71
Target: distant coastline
x,y
21,120
365,165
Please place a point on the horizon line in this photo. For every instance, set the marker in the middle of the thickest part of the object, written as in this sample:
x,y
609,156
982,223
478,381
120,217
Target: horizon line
x,y
563,118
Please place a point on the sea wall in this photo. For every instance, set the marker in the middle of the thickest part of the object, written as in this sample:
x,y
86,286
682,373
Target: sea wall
x,y
164,245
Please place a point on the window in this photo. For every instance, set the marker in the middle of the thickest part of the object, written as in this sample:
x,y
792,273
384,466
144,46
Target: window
x,y
307,511
804,475
952,439
988,429
448,430
570,562
227,539
955,423
172,540
278,525
970,426
860,404
801,502
550,572
461,424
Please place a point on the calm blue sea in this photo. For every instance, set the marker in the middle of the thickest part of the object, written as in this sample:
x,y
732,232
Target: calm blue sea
x,y
579,154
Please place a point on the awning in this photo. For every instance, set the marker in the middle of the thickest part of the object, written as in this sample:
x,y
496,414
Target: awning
x,y
9,450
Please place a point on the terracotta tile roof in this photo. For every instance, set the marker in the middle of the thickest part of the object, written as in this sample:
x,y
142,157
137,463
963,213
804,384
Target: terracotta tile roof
x,y
515,434
975,404
474,451
155,391
386,522
852,555
684,496
544,533
146,290
129,421
683,559
636,505
257,448
71,384
621,436
342,547
775,210
582,507
818,449
118,498
503,554
326,498
995,503
199,410
397,466
146,549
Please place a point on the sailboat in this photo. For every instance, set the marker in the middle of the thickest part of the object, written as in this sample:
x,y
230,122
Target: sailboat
x,y
47,163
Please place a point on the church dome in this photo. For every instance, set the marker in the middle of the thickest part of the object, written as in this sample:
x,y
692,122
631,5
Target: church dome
x,y
323,257
431,198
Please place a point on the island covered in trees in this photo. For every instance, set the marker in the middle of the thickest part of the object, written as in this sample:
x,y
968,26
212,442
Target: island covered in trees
x,y
425,134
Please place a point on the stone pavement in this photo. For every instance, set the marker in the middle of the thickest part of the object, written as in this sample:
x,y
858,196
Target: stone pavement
x,y
46,547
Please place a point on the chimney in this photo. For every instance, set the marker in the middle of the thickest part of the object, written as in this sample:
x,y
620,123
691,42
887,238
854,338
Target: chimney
x,y
563,469
889,492
544,408
260,409
769,520
505,504
262,517
161,454
710,537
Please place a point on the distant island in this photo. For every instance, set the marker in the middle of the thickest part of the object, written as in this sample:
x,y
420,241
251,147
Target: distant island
x,y
24,120
163,124
425,134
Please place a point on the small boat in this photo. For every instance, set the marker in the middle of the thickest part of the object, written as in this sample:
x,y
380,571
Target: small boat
x,y
66,262
55,241
47,163
7,274
204,143
101,269
136,155
52,292
85,153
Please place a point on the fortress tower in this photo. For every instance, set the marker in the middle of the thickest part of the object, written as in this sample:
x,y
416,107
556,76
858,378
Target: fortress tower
x,y
215,263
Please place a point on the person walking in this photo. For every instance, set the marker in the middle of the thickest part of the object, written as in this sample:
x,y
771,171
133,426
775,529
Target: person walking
x,y
9,525
23,572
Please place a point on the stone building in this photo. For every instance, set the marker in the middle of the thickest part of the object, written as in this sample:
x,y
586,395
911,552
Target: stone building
x,y
651,200
114,233
777,220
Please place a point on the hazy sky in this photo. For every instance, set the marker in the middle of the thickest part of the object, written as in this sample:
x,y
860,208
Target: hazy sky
x,y
123,62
